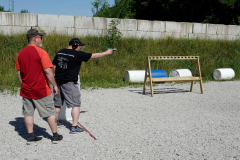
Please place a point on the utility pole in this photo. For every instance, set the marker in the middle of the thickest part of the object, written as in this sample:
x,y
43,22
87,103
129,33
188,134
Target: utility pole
x,y
11,5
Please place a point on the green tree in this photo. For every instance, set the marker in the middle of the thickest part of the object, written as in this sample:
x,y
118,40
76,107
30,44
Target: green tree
x,y
113,33
208,11
101,8
201,11
2,9
121,9
24,11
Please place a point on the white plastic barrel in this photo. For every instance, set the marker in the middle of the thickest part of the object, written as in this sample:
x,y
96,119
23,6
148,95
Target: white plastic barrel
x,y
223,73
65,113
180,73
135,76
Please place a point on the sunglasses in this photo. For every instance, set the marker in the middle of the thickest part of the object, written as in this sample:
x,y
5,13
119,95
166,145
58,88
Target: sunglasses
x,y
39,37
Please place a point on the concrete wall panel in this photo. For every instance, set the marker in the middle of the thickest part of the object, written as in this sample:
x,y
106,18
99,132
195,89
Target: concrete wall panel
x,y
90,22
71,31
197,35
88,32
83,22
213,37
57,30
5,30
13,30
99,23
128,34
16,23
233,30
233,37
227,37
6,19
146,35
159,26
45,20
222,29
18,19
199,28
211,29
127,24
25,19
156,35
179,27
151,26
228,29
174,35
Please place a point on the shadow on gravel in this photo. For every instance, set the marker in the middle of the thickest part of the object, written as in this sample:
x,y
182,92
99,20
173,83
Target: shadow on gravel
x,y
65,123
22,131
160,91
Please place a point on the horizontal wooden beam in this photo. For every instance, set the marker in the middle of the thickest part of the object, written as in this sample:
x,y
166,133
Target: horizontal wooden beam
x,y
169,79
172,57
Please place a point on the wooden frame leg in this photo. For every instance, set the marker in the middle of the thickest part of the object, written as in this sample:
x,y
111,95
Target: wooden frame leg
x,y
201,86
151,88
145,79
191,88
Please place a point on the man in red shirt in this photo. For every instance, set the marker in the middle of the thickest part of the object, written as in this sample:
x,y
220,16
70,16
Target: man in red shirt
x,y
34,72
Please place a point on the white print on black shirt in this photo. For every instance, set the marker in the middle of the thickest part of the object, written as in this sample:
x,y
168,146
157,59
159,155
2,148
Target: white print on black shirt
x,y
62,64
66,54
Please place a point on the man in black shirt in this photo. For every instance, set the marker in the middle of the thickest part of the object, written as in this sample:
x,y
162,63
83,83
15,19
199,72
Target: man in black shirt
x,y
66,64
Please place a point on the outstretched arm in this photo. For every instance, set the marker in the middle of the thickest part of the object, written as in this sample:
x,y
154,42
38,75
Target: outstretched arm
x,y
99,55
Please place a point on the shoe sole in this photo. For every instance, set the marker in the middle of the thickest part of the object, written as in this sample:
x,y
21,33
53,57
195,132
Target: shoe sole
x,y
72,132
76,132
29,143
55,142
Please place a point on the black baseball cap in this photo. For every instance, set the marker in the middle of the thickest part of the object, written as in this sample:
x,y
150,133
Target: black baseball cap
x,y
34,32
76,40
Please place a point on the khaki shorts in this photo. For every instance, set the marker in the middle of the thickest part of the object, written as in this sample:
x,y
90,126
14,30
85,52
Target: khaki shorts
x,y
44,106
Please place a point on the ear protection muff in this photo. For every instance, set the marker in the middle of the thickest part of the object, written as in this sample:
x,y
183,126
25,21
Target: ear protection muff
x,y
75,44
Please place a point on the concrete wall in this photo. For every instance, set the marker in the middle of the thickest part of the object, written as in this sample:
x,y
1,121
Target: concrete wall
x,y
15,23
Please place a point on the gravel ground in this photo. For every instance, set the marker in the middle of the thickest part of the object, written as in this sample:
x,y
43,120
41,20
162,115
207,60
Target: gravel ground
x,y
174,124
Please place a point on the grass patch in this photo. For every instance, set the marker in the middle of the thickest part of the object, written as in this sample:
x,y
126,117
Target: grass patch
x,y
109,71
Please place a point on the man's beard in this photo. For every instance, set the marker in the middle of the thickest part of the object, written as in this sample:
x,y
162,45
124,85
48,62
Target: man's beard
x,y
40,45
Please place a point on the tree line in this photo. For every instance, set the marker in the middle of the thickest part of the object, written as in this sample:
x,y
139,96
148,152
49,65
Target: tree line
x,y
3,10
197,11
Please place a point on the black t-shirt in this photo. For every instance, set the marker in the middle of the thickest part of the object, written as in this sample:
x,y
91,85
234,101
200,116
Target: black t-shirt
x,y
68,63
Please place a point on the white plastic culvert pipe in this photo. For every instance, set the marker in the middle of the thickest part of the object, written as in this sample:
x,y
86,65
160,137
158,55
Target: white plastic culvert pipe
x,y
223,74
180,73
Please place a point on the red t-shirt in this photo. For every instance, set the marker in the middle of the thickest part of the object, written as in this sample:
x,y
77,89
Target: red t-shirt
x,y
31,61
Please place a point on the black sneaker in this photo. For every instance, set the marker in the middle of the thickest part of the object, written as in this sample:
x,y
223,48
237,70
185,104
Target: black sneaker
x,y
34,139
56,139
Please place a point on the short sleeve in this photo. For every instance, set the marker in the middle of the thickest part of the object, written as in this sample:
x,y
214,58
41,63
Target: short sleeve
x,y
45,60
83,56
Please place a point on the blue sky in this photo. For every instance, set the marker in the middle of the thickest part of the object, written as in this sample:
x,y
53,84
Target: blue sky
x,y
57,7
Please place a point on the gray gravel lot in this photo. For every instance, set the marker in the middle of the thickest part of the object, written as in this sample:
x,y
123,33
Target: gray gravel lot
x,y
174,124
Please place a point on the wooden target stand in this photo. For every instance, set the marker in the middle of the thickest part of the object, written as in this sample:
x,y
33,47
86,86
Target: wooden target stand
x,y
148,77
